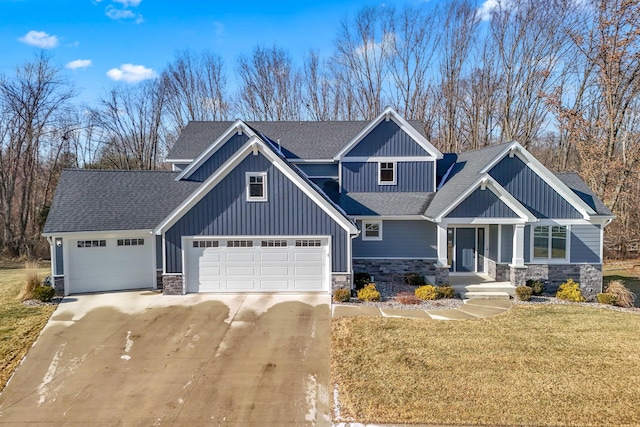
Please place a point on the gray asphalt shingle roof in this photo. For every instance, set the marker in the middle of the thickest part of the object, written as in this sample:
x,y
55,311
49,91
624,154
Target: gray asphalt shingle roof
x,y
100,200
578,186
298,140
385,203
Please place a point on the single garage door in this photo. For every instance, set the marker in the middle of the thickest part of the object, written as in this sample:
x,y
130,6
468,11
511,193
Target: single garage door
x,y
110,264
257,264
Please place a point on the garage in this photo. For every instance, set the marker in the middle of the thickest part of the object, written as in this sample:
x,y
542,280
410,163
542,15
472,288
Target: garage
x,y
109,264
272,264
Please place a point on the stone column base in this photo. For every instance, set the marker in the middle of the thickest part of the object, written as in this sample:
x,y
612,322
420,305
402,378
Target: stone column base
x,y
172,285
518,275
442,275
340,280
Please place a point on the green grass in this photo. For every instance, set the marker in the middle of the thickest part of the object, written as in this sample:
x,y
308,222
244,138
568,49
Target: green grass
x,y
19,324
627,271
560,365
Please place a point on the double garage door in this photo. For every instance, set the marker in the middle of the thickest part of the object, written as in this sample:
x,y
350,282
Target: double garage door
x,y
257,264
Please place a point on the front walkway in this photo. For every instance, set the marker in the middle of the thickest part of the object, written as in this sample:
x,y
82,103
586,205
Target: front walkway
x,y
472,309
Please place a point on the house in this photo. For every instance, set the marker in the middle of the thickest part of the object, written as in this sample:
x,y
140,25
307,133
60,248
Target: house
x,y
300,206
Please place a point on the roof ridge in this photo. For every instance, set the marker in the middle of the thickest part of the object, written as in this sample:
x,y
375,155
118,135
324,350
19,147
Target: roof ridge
x,y
119,170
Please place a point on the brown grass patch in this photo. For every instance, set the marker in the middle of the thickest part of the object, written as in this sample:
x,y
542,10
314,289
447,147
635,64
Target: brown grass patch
x,y
32,278
536,365
624,297
407,298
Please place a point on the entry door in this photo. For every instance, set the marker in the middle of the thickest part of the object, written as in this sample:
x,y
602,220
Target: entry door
x,y
465,250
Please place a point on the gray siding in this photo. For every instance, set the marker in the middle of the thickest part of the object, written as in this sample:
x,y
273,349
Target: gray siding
x,y
410,177
409,239
319,169
493,242
527,243
218,158
387,139
482,204
59,256
225,211
531,190
585,243
506,243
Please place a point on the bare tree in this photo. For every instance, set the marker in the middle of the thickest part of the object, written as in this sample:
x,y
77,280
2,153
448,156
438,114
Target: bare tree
x,y
322,92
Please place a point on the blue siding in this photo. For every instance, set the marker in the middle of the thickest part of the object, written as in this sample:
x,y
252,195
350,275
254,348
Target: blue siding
x,y
493,242
409,239
319,169
506,243
410,177
482,204
527,243
59,256
158,252
225,211
585,243
531,190
387,139
218,158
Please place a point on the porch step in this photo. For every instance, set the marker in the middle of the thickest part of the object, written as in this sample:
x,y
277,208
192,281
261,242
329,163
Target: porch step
x,y
500,287
485,295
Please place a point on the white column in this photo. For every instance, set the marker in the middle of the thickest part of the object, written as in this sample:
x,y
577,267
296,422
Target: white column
x,y
442,245
518,246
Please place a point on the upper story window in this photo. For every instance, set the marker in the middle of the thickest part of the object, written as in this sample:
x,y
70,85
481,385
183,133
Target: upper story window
x,y
256,186
386,173
550,242
372,230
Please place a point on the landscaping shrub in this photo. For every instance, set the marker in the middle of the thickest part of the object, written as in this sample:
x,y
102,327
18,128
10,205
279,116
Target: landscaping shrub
x,y
605,298
31,281
570,291
407,298
414,279
361,279
44,293
537,286
445,291
369,293
524,293
427,292
624,297
342,295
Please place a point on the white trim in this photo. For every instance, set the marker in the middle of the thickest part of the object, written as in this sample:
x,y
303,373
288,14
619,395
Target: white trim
x,y
391,217
550,260
366,222
294,161
389,159
396,257
178,160
319,177
249,197
394,169
390,113
484,221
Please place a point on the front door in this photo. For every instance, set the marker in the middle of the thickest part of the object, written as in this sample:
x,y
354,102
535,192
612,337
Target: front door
x,y
465,250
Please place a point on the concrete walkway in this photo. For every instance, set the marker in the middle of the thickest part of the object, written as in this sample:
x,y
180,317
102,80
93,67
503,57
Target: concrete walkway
x,y
471,309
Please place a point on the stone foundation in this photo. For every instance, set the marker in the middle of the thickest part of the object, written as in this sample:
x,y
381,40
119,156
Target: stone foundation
x,y
503,273
518,276
588,275
491,268
58,285
159,279
172,285
383,270
341,280
442,275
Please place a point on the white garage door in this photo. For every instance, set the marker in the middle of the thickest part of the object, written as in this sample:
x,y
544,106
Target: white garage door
x,y
257,264
110,264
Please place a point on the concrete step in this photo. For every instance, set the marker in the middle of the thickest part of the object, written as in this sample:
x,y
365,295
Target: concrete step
x,y
487,287
485,295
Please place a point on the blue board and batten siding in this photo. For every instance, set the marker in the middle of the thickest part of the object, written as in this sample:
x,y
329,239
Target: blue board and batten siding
x,y
585,243
218,158
362,177
323,170
482,204
531,190
224,211
387,140
400,239
59,256
506,243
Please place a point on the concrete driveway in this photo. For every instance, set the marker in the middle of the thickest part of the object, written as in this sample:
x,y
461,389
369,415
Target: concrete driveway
x,y
140,358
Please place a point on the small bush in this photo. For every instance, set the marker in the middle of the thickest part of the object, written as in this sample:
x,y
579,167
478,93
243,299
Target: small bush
x,y
31,281
44,293
407,298
369,293
570,291
537,286
624,297
524,293
342,295
605,298
445,291
427,293
414,279
361,279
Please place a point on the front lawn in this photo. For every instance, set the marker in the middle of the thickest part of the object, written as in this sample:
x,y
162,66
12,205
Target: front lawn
x,y
19,324
560,365
627,271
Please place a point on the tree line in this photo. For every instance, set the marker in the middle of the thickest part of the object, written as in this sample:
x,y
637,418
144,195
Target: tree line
x,y
561,77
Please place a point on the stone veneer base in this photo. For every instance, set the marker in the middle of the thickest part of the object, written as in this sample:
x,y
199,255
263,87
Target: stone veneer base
x,y
386,269
172,285
588,275
340,280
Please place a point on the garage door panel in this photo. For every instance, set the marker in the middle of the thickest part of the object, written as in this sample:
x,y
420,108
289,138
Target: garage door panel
x,y
274,271
240,257
274,256
241,285
308,284
240,271
308,256
308,271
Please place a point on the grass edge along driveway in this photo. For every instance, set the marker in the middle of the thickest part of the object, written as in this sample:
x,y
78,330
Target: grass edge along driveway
x,y
534,365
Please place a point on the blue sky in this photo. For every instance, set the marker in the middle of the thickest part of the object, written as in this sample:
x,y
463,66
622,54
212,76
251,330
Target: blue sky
x,y
103,41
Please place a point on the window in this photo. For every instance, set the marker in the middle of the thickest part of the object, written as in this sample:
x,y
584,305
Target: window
x,y
240,244
205,243
372,230
257,187
91,243
386,173
274,243
130,242
308,243
550,242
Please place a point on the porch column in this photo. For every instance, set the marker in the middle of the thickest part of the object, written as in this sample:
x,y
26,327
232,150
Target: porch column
x,y
518,246
442,266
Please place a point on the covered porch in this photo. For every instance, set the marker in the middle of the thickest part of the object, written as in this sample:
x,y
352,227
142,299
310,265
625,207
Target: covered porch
x,y
478,286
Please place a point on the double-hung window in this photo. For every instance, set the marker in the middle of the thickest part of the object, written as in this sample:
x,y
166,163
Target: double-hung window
x,y
386,173
550,242
372,230
257,186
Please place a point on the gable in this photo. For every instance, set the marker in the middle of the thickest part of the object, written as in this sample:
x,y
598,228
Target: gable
x,y
482,204
385,140
531,190
218,158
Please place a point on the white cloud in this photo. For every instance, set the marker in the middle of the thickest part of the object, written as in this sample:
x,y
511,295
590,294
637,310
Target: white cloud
x,y
484,11
39,39
78,63
219,26
131,73
128,3
123,10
